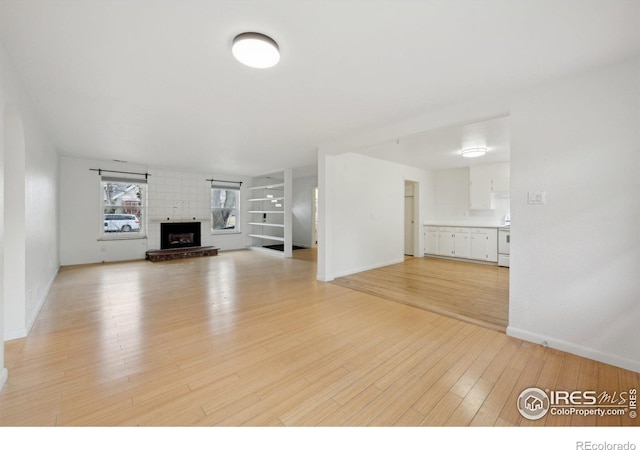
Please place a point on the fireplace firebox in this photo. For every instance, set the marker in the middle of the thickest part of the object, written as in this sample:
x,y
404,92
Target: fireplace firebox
x,y
179,235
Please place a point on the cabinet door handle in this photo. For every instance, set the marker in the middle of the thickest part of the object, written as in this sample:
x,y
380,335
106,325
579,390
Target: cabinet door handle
x,y
508,238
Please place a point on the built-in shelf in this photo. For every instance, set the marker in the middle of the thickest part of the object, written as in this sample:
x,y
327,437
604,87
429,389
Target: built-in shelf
x,y
262,224
271,198
265,236
265,199
269,186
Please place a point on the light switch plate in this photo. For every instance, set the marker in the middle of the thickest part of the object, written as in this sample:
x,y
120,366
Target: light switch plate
x,y
537,198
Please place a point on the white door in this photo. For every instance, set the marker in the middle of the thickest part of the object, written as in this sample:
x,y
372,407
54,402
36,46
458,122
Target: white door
x,y
409,220
314,218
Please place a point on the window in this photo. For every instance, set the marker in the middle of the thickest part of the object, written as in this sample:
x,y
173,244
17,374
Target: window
x,y
123,207
225,209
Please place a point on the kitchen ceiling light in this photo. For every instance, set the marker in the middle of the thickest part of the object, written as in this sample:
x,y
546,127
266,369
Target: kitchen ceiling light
x,y
255,50
473,152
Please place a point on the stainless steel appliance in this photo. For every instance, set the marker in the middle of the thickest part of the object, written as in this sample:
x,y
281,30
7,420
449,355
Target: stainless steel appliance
x,y
504,243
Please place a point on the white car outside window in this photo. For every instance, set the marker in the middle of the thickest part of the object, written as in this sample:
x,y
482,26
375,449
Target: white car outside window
x,y
125,223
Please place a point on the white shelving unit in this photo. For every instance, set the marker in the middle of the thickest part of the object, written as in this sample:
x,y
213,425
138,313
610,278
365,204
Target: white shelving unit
x,y
270,211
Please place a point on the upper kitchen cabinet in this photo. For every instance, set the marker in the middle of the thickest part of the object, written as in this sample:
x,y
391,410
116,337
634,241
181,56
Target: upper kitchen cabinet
x,y
486,180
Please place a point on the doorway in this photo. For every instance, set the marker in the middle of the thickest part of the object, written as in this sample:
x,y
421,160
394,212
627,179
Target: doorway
x,y
410,210
314,218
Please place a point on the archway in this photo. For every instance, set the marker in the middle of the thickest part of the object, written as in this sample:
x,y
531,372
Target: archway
x,y
12,223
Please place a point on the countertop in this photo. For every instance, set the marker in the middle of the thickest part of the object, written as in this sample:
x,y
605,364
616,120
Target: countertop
x,y
465,223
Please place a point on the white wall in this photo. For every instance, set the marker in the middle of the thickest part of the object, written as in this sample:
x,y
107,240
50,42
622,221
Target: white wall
x,y
32,257
366,213
575,261
302,211
173,195
15,264
452,200
184,195
3,370
80,212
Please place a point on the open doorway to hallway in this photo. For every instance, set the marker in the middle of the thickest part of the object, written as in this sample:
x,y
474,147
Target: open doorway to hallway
x,y
314,215
411,208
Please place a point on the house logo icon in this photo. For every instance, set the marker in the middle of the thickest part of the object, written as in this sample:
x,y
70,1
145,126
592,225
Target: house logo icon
x,y
533,403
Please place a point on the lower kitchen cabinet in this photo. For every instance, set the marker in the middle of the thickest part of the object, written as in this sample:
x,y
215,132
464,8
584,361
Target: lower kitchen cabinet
x,y
431,240
462,242
484,244
454,242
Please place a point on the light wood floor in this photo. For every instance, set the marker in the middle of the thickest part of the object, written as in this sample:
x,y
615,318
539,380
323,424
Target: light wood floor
x,y
476,293
245,338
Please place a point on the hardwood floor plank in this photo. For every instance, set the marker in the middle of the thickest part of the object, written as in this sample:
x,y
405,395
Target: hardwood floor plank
x,y
252,339
441,412
265,407
357,403
472,402
297,405
411,418
530,362
567,380
490,410
480,292
608,383
439,378
588,376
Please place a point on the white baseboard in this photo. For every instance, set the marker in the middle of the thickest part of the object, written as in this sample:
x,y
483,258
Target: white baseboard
x,y
575,349
10,335
364,269
43,298
323,278
20,333
4,375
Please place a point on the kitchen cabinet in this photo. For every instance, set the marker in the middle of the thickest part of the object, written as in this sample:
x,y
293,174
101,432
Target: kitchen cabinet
x,y
431,240
485,180
474,243
500,181
445,241
454,242
484,244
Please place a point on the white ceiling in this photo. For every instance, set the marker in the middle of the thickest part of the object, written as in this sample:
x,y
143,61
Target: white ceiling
x,y
440,148
154,82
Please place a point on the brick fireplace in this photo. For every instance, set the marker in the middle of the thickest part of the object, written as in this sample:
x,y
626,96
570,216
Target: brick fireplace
x,y
179,235
180,240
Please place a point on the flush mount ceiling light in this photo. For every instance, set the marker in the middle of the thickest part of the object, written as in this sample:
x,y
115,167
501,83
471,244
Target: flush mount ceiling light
x,y
473,152
255,50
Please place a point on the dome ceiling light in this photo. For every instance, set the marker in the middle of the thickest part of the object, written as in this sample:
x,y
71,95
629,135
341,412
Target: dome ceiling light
x,y
255,50
473,152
